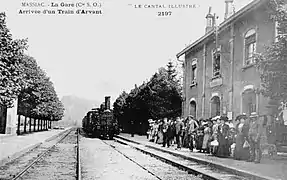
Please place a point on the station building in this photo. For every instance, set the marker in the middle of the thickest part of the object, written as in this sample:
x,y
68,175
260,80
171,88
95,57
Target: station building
x,y
219,73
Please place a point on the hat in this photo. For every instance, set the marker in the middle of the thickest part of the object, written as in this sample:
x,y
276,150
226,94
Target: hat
x,y
215,118
204,123
240,117
190,116
224,118
253,114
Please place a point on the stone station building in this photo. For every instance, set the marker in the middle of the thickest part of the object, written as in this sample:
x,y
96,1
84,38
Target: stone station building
x,y
219,73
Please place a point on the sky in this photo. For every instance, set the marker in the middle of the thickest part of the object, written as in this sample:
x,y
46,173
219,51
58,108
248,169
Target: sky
x,y
92,56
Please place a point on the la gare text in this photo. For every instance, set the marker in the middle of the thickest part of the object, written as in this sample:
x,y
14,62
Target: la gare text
x,y
52,4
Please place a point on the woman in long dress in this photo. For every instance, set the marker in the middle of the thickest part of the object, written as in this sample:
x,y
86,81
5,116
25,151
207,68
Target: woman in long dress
x,y
155,131
242,128
207,136
199,136
223,135
160,133
216,123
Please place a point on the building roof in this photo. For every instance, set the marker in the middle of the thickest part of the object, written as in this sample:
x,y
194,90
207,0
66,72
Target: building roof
x,y
224,24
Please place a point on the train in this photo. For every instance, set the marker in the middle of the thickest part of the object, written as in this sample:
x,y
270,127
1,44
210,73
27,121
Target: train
x,y
100,122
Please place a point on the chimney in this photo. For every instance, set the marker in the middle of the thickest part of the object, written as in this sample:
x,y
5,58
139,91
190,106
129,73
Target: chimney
x,y
229,9
107,102
209,21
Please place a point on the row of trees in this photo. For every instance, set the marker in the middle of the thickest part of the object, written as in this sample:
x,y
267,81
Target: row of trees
x,y
159,97
22,78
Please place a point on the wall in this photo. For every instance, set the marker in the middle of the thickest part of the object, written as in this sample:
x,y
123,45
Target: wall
x,y
11,125
192,91
242,76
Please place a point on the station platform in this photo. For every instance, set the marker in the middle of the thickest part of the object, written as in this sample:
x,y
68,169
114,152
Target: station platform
x,y
268,168
12,145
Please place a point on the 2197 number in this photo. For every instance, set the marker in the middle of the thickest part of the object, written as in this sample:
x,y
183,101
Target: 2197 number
x,y
165,13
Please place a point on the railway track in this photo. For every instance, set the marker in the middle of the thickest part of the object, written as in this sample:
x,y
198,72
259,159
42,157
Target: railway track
x,y
156,164
114,147
78,155
30,165
161,170
202,170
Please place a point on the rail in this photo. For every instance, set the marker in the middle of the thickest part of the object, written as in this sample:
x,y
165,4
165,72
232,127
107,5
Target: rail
x,y
39,157
78,156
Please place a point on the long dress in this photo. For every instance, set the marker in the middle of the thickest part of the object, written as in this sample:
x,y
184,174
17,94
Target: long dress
x,y
214,137
185,137
206,138
160,135
199,138
223,147
155,132
241,153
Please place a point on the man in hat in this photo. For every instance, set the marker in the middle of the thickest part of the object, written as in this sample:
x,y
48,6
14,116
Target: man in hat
x,y
192,126
254,136
164,132
179,126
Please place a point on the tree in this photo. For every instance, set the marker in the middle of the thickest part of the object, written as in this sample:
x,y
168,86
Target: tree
x,y
171,72
11,53
272,63
119,108
174,76
159,97
38,98
49,106
22,78
30,94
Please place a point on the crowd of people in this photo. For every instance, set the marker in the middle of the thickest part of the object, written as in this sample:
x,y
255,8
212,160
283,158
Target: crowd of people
x,y
216,136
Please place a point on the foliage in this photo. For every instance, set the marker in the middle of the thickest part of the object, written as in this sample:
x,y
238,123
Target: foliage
x,y
11,53
22,78
49,106
29,95
272,64
38,98
159,97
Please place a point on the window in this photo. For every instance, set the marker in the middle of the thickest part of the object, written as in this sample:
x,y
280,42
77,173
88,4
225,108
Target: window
x,y
193,71
250,47
216,64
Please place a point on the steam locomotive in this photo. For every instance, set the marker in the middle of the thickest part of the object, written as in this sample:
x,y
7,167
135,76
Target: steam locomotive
x,y
100,122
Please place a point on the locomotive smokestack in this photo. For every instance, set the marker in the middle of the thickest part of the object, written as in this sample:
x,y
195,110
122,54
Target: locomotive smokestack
x,y
107,102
